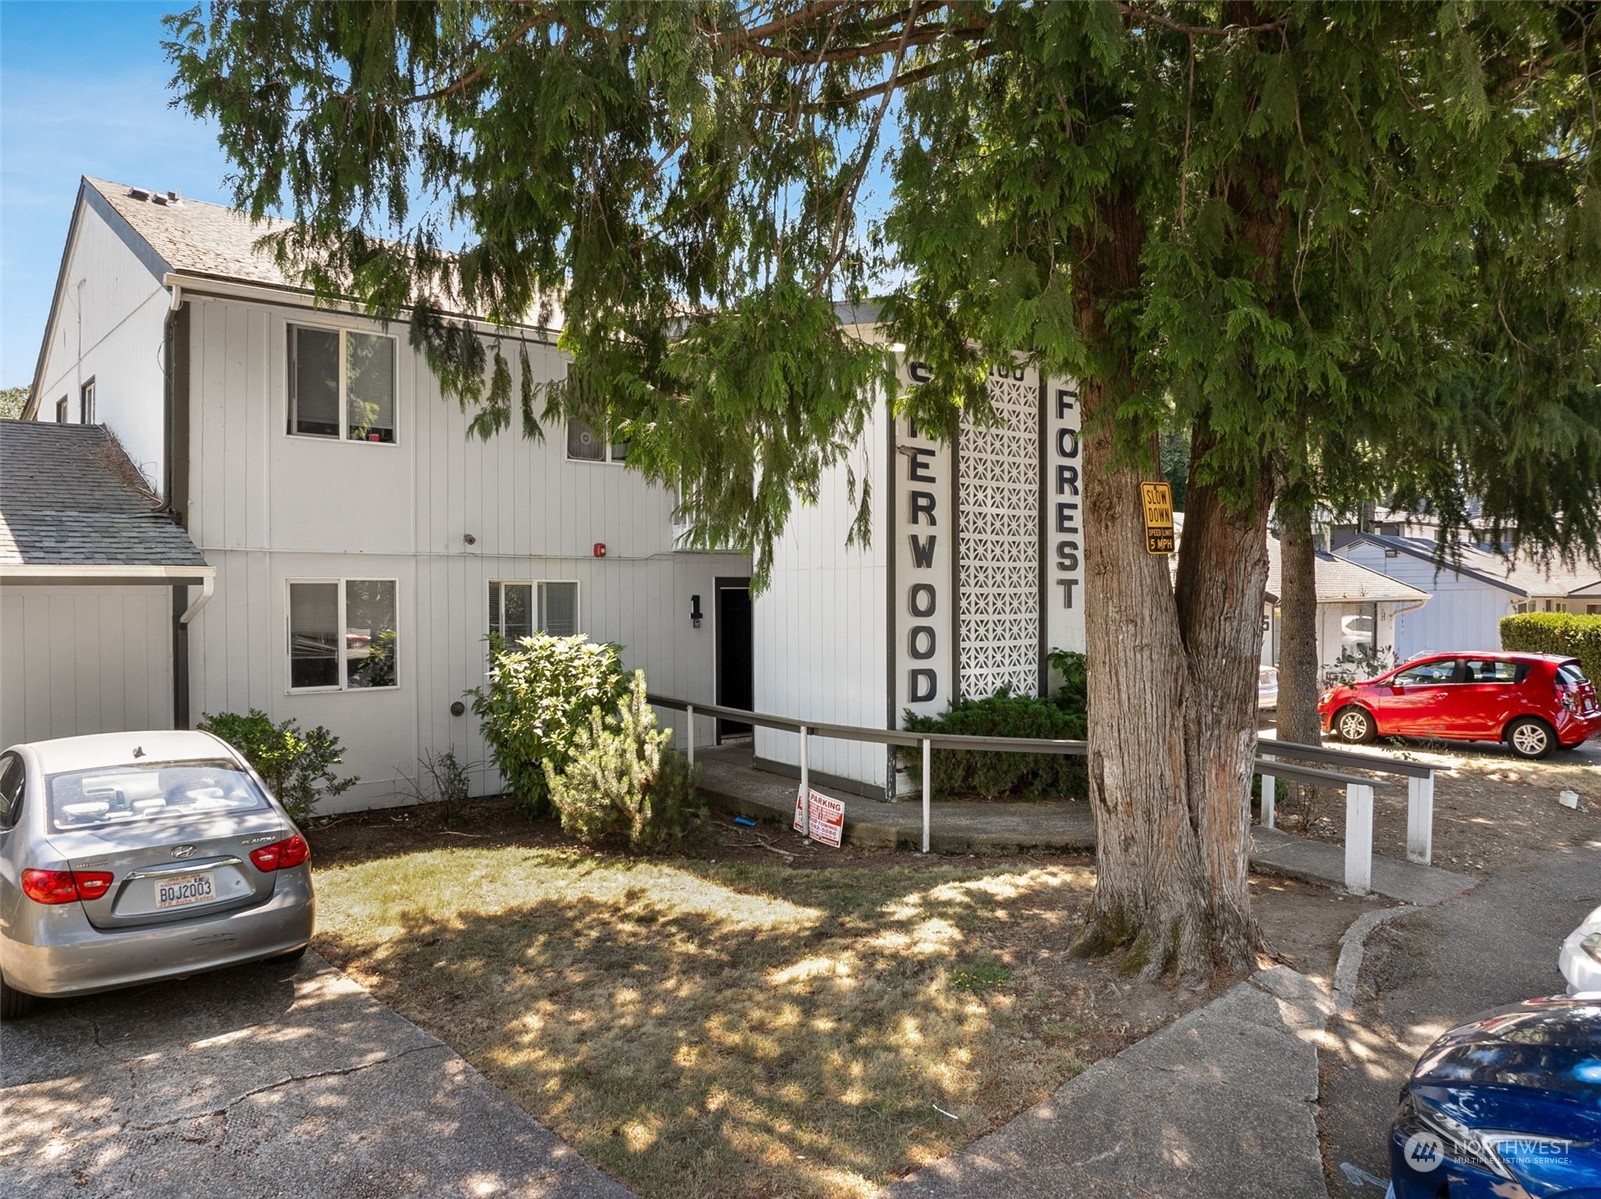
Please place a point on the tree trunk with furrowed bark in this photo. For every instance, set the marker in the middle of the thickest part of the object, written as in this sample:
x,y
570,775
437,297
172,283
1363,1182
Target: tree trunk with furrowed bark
x,y
1172,683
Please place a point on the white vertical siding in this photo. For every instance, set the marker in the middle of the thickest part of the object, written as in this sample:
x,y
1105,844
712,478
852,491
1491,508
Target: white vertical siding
x,y
268,507
77,660
1462,612
820,628
115,322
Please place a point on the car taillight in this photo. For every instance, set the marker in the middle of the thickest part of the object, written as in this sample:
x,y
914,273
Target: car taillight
x,y
281,855
64,886
1568,697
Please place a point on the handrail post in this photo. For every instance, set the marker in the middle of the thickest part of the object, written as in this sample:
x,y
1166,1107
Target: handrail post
x,y
1267,797
1358,838
806,789
1420,819
928,757
689,713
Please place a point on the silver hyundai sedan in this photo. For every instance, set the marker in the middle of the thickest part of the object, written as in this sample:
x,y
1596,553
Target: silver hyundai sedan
x,y
131,857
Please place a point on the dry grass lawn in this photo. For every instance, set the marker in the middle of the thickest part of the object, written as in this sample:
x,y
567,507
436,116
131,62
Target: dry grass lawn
x,y
705,1028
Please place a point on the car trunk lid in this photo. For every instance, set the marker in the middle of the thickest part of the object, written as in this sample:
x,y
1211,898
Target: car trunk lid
x,y
180,869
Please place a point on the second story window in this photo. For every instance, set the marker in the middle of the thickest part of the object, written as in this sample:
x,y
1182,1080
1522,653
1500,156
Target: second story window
x,y
61,411
341,384
86,403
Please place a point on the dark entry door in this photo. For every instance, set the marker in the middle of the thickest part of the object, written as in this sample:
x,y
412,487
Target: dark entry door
x,y
735,653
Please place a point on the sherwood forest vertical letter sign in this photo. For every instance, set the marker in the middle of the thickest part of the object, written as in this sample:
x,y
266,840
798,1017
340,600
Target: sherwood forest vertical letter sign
x,y
1064,519
924,540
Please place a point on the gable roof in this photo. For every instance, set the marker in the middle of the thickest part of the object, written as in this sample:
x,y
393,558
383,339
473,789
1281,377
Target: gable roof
x,y
69,498
1339,581
1336,580
190,237
1520,577
173,236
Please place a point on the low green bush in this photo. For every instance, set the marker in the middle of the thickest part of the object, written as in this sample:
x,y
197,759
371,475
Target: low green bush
x,y
294,764
994,775
1562,633
538,695
621,780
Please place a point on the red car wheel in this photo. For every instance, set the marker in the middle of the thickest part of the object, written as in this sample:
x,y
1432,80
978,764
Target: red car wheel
x,y
1353,724
1530,738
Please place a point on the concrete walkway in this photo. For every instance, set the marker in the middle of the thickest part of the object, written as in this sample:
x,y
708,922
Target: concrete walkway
x,y
732,784
1221,1102
256,1082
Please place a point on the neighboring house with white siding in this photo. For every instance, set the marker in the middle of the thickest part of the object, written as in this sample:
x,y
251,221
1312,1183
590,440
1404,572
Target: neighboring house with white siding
x,y
363,543
1469,596
93,578
1358,610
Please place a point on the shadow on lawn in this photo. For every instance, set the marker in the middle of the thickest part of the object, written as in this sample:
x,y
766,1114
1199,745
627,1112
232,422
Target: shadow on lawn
x,y
695,1038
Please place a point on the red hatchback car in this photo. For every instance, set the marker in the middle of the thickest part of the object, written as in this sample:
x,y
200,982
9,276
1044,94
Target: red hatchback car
x,y
1534,702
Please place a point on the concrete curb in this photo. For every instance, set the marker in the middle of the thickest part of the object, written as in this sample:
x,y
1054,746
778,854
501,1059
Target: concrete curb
x,y
1352,948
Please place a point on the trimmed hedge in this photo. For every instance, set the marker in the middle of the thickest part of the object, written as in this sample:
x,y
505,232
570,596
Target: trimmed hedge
x,y
1556,633
995,775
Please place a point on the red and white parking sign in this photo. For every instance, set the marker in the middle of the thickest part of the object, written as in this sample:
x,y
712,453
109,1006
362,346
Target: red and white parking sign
x,y
828,818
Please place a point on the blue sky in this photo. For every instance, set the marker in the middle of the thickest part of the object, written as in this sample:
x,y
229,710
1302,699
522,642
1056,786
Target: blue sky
x,y
83,91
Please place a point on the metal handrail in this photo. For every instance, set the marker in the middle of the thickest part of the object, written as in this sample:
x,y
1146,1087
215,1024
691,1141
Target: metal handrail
x,y
852,732
1419,785
1359,791
1342,757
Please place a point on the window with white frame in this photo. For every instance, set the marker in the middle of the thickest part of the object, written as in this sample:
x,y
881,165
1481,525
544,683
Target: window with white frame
x,y
342,634
61,411
341,384
586,445
86,403
522,609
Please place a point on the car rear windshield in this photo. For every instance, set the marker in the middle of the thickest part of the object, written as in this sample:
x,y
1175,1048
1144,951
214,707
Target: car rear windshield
x,y
150,791
1572,674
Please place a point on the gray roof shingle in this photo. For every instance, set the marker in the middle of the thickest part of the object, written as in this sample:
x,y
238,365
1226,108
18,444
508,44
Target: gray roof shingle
x,y
193,237
197,238
68,497
1340,581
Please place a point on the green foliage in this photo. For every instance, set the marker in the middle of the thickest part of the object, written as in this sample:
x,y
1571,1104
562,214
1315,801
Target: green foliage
x,y
1073,696
537,697
992,774
1173,455
1563,633
295,764
621,780
980,976
12,400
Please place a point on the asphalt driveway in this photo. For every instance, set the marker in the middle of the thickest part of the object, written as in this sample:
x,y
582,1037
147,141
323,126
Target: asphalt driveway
x,y
261,1081
1428,971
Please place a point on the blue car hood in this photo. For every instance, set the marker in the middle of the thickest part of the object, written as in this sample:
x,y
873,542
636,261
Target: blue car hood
x,y
1532,1068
